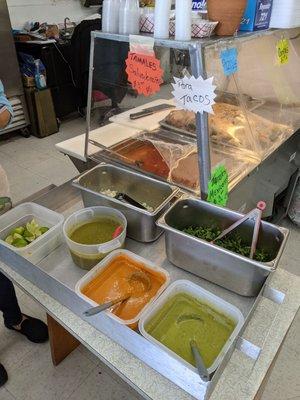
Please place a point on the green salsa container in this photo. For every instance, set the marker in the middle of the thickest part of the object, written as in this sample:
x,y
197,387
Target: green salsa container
x,y
179,312
85,255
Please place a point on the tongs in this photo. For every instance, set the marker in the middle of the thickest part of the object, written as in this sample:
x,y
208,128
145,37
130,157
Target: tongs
x,y
254,215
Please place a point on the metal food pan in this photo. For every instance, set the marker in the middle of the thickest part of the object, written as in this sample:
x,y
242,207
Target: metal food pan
x,y
141,223
232,271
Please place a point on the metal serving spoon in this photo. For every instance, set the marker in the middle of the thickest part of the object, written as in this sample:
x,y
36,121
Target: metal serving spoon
x,y
202,370
105,306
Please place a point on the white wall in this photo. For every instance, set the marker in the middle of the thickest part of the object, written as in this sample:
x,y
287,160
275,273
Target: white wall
x,y
51,11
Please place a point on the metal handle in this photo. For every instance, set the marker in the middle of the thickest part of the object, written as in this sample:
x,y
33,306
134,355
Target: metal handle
x,y
110,246
124,197
203,373
141,114
102,307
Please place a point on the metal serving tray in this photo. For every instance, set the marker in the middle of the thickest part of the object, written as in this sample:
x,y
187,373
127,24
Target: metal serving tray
x,y
223,267
141,223
57,276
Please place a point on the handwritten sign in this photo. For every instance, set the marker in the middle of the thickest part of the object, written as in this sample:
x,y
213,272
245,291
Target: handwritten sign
x,y
229,61
283,51
144,73
194,94
218,186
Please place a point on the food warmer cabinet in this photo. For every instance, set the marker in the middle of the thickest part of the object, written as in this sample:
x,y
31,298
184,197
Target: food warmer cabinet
x,y
253,131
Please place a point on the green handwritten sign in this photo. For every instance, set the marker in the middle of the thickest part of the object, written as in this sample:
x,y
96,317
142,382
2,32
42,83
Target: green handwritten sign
x,y
283,51
218,186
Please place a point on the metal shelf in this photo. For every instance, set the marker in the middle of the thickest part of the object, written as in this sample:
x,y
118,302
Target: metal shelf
x,y
183,45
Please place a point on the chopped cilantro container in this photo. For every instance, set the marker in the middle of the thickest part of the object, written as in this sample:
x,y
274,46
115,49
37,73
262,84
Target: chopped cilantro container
x,y
42,245
230,270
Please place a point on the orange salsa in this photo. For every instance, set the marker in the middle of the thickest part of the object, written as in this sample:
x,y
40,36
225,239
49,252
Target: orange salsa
x,y
114,282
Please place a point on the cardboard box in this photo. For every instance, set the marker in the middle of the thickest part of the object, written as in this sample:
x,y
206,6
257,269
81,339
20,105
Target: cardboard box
x,y
257,15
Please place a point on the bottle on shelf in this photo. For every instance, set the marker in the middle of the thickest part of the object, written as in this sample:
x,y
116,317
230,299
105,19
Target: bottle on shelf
x,y
162,18
183,20
110,16
129,17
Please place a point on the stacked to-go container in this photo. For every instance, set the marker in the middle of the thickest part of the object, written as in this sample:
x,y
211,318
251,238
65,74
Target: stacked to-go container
x,y
285,14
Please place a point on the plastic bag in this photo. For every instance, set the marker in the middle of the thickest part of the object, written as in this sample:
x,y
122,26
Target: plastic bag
x,y
4,186
5,201
294,211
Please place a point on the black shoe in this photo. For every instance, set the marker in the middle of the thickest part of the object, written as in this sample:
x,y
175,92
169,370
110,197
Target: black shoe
x,y
3,375
35,330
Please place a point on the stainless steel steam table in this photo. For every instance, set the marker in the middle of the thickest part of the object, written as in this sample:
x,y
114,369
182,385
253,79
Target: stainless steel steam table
x,y
147,370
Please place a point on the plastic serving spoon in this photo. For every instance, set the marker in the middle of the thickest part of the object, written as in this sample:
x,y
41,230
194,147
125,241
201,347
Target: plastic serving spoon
x,y
105,306
202,370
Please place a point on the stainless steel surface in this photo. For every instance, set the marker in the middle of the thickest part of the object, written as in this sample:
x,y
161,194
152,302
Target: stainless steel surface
x,y
182,45
141,223
102,307
203,373
202,130
57,276
225,268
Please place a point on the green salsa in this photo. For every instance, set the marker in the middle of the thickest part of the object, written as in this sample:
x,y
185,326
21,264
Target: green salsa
x,y
92,233
95,232
184,318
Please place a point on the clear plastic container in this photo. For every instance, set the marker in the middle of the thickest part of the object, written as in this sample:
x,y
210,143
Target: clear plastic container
x,y
98,269
87,256
43,245
184,286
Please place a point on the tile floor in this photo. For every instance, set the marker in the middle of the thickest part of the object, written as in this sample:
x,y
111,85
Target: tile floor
x,y
32,164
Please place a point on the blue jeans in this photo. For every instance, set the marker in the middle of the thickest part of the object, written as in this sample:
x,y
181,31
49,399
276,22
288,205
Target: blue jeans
x,y
8,302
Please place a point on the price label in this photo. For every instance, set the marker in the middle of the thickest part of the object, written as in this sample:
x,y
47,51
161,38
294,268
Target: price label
x,y
144,73
283,51
194,94
229,58
218,186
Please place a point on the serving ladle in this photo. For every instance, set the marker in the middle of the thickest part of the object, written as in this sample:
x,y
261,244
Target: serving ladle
x,y
202,370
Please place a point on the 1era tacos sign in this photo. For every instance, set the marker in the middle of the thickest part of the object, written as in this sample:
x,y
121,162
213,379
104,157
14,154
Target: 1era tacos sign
x,y
144,73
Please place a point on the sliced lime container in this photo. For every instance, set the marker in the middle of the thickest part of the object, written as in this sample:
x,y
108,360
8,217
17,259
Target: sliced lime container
x,y
44,244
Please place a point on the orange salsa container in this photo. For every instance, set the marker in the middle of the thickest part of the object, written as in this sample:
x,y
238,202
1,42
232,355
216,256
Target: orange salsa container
x,y
110,280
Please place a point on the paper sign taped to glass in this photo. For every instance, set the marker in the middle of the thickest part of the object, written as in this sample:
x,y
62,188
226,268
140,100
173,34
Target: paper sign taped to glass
x,y
144,73
194,94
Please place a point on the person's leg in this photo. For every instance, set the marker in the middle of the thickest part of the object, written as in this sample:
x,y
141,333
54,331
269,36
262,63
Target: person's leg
x,y
8,302
35,330
11,312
